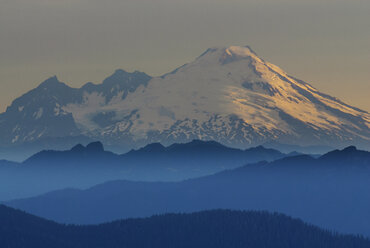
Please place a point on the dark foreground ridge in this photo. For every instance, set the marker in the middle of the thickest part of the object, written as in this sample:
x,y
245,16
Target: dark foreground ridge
x,y
217,229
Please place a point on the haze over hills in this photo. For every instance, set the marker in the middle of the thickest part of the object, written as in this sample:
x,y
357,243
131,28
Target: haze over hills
x,y
218,229
331,191
85,166
229,95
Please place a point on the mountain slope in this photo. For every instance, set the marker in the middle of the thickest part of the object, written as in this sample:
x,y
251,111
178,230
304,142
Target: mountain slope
x,y
232,96
229,95
219,229
330,191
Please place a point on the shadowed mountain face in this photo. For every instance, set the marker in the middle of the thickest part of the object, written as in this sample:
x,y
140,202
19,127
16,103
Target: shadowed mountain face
x,y
331,191
39,119
85,166
229,95
218,229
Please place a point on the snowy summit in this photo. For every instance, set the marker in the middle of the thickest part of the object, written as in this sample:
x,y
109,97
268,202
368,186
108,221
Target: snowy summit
x,y
228,94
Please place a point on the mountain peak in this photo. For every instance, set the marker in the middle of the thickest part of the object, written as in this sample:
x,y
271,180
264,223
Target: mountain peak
x,y
120,76
52,81
117,76
242,51
120,72
226,55
95,147
346,154
78,148
236,53
237,50
350,149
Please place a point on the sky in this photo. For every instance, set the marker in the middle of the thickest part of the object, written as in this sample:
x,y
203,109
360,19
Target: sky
x,y
323,42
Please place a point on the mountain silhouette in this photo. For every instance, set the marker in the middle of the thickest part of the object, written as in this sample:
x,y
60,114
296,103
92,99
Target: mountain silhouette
x,y
85,166
330,191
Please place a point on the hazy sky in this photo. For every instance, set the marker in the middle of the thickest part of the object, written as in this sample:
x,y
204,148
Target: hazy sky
x,y
324,42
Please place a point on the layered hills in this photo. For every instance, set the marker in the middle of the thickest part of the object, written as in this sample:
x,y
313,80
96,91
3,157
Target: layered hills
x,y
330,191
86,166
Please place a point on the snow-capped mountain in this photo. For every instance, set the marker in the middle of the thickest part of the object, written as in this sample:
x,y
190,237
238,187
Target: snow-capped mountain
x,y
229,95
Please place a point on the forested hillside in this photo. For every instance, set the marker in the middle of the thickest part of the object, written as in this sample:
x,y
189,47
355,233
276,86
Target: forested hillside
x,y
216,229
